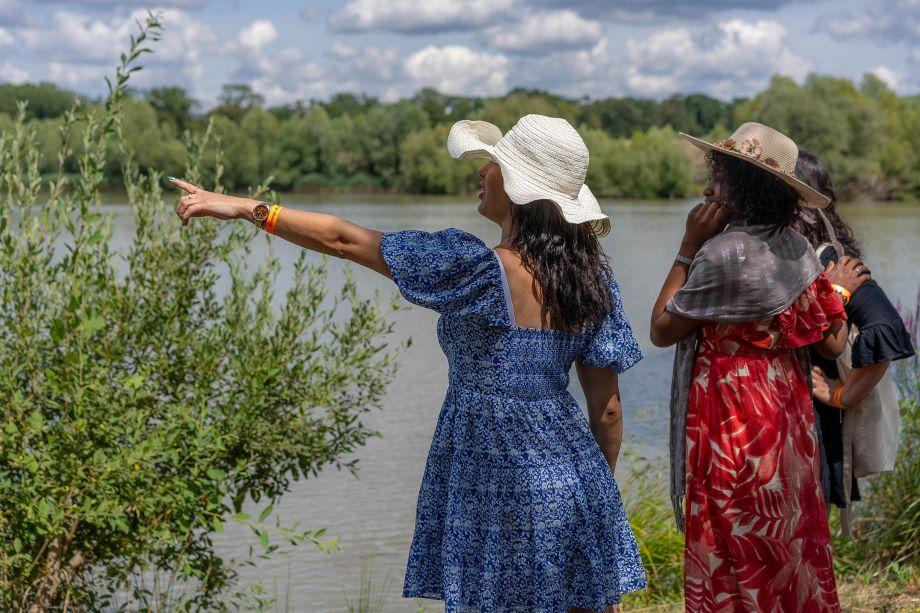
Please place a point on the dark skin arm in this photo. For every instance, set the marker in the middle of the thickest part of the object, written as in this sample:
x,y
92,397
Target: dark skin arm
x,y
860,382
704,221
605,412
849,273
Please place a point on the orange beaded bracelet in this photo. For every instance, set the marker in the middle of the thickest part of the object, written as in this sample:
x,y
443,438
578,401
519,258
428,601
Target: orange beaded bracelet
x,y
272,220
835,399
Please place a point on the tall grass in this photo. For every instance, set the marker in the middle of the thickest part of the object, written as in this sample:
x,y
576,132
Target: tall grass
x,y
371,591
645,494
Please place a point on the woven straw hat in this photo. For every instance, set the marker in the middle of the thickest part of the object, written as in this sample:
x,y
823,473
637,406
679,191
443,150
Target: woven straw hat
x,y
768,149
541,158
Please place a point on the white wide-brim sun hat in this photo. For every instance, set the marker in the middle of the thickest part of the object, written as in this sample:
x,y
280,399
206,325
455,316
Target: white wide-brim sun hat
x,y
541,158
770,150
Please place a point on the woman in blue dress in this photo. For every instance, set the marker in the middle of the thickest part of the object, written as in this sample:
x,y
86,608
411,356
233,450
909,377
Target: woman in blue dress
x,y
518,509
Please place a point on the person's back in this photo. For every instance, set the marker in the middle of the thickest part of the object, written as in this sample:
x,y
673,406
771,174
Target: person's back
x,y
518,509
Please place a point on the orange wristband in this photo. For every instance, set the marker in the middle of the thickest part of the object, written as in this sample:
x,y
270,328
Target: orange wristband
x,y
835,399
844,293
272,220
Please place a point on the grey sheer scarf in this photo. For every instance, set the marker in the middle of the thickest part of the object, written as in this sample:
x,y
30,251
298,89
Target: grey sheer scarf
x,y
746,273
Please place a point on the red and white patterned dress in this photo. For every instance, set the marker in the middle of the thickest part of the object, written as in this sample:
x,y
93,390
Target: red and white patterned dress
x,y
756,530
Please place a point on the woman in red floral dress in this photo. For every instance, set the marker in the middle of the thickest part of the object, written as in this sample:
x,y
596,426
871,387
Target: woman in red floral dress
x,y
741,303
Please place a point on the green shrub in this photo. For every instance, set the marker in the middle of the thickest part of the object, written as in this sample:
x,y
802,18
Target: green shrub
x,y
147,394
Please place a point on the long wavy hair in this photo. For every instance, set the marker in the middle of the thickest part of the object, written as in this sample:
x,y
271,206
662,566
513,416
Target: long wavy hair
x,y
809,169
567,263
754,195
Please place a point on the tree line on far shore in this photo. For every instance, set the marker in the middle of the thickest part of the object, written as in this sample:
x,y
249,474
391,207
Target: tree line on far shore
x,y
867,135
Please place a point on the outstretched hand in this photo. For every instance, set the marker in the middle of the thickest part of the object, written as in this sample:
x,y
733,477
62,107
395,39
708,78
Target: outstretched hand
x,y
198,202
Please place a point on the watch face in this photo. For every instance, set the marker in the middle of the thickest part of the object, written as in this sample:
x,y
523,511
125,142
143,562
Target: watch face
x,y
260,212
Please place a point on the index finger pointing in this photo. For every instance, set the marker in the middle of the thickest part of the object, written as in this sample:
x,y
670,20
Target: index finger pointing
x,y
183,185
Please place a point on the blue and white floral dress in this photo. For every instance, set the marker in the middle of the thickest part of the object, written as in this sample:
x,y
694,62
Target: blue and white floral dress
x,y
518,509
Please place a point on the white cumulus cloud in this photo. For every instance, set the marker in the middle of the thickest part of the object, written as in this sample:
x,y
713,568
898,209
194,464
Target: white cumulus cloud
x,y
79,49
892,78
886,21
733,58
544,32
10,73
582,72
414,17
340,50
77,37
258,34
455,69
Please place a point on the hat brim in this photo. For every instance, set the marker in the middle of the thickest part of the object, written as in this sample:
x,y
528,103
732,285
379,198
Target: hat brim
x,y
477,139
472,139
811,197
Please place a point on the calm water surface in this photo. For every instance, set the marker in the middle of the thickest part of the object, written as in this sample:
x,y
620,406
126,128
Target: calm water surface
x,y
373,515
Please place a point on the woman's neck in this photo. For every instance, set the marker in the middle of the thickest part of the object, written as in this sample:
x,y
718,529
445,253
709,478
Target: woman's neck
x,y
507,232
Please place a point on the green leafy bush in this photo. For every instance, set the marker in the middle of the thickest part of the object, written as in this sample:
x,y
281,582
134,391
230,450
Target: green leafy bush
x,y
147,394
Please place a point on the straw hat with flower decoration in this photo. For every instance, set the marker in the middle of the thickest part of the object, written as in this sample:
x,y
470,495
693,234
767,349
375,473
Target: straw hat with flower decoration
x,y
770,150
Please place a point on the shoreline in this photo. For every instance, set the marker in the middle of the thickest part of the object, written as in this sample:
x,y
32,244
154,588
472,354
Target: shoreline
x,y
395,197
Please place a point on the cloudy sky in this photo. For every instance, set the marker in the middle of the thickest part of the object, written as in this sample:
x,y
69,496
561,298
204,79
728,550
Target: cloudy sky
x,y
291,50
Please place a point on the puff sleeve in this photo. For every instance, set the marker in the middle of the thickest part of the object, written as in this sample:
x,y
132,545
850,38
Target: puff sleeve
x,y
448,271
612,344
882,336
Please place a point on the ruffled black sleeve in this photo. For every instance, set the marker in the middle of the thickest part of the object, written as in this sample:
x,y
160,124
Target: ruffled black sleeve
x,y
882,335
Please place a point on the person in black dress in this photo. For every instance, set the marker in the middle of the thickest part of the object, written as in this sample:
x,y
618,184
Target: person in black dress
x,y
882,337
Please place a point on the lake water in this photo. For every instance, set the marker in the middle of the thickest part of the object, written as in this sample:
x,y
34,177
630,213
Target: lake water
x,y
373,515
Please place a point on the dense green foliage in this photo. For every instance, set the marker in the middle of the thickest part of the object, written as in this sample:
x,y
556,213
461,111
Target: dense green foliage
x,y
866,134
146,394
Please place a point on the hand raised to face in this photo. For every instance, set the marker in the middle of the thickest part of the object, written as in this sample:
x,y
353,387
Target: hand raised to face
x,y
704,221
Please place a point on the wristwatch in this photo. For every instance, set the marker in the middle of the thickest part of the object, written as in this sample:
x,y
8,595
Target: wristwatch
x,y
260,213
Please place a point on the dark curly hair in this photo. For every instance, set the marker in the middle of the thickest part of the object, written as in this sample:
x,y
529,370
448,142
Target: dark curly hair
x,y
754,195
809,169
567,264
